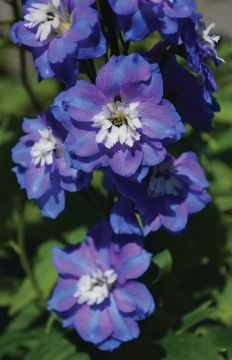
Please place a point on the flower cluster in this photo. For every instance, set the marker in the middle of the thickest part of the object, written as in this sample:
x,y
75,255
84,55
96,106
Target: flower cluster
x,y
120,121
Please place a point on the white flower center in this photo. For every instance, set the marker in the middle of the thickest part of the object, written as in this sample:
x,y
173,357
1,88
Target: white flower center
x,y
210,39
118,122
48,17
163,183
42,150
95,288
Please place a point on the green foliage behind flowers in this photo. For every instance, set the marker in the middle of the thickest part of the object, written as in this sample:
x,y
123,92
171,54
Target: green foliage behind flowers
x,y
194,311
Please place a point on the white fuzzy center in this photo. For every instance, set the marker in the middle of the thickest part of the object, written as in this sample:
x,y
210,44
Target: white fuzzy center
x,y
118,122
42,150
95,288
210,39
49,18
161,183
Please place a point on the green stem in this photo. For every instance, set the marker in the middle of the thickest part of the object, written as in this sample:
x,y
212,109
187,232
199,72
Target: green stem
x,y
23,62
108,19
6,22
23,254
126,48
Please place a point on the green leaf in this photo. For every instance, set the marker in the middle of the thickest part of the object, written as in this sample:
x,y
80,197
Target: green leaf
x,y
189,346
10,341
55,347
203,312
163,261
219,337
76,235
45,275
25,318
224,308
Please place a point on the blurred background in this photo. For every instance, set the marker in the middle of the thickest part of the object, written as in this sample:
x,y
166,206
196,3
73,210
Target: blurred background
x,y
194,297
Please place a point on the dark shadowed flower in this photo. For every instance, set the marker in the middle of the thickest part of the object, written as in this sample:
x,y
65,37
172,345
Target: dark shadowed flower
x,y
58,33
122,122
165,197
96,293
183,89
41,169
139,18
199,46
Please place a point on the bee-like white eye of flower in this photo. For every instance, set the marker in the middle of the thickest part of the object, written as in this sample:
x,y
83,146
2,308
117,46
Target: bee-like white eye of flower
x,y
210,39
49,18
95,288
118,122
162,182
42,150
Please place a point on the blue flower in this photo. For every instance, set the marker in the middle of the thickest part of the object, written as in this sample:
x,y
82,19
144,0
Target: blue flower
x,y
139,18
182,89
58,33
165,197
41,169
96,293
199,47
123,122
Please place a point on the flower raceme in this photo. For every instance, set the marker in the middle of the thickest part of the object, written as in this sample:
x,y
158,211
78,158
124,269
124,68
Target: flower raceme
x,y
41,168
140,18
59,33
122,122
165,197
96,293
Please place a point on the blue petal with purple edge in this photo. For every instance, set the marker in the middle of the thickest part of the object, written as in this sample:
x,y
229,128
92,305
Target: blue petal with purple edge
x,y
125,328
134,296
125,161
134,267
71,264
109,344
62,298
122,7
123,219
94,324
37,180
52,203
42,64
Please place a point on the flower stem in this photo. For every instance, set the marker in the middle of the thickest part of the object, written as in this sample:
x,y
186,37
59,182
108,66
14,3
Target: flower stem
x,y
23,62
6,22
23,254
109,20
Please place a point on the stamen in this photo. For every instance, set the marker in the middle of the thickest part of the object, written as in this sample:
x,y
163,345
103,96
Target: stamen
x,y
49,18
42,150
95,288
118,122
163,182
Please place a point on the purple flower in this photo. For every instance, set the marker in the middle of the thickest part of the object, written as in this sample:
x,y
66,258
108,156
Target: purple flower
x,y
41,169
166,196
182,89
58,33
199,46
96,293
139,18
123,122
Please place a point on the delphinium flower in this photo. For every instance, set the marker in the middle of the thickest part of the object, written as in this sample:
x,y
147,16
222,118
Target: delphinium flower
x,y
165,197
58,33
139,18
41,168
122,122
199,45
96,293
182,89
